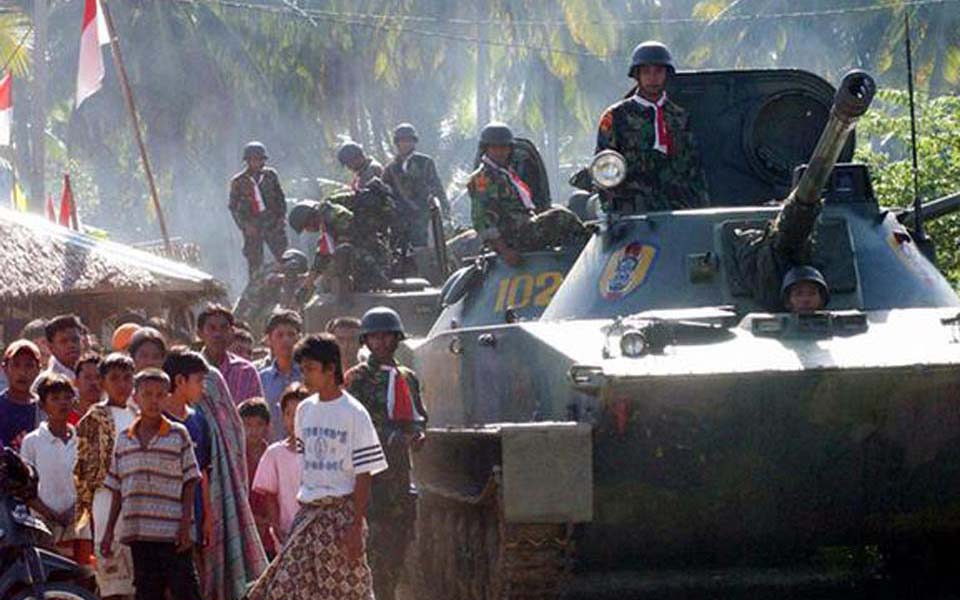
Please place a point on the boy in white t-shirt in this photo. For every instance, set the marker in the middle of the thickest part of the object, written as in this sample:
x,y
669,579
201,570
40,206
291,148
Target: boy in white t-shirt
x,y
325,558
52,450
278,474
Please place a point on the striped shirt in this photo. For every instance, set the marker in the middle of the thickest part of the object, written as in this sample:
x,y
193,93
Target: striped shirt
x,y
150,481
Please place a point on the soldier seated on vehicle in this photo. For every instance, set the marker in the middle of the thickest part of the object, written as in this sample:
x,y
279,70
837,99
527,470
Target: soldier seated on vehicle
x,y
804,290
653,134
502,207
349,254
274,284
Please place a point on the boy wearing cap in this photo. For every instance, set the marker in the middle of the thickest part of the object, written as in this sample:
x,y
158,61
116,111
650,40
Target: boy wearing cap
x,y
19,413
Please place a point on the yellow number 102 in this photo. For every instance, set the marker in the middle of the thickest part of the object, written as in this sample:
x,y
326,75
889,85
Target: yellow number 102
x,y
520,290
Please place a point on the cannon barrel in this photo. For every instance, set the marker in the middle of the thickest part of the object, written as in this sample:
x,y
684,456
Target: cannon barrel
x,y
797,218
853,97
934,209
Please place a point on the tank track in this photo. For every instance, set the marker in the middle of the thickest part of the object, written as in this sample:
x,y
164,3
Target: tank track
x,y
466,550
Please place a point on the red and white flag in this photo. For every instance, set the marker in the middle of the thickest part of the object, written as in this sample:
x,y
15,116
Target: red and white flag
x,y
6,108
93,34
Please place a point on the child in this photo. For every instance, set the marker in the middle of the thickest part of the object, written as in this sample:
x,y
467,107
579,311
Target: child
x,y
324,558
89,390
97,432
242,344
65,335
283,330
52,449
152,479
18,407
187,371
256,427
278,474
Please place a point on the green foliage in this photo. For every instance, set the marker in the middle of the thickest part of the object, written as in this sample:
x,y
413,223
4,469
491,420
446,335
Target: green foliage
x,y
884,144
16,41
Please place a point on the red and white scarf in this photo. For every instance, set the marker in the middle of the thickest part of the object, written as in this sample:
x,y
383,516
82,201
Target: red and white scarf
x,y
256,203
326,244
400,405
523,190
662,141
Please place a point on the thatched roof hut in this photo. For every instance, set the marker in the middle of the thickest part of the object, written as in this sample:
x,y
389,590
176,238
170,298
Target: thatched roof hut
x,y
48,269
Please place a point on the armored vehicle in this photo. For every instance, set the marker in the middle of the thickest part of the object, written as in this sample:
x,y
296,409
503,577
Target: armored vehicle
x,y
649,411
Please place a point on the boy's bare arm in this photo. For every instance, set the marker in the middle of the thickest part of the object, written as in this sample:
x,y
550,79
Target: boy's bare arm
x,y
207,514
107,542
353,536
186,516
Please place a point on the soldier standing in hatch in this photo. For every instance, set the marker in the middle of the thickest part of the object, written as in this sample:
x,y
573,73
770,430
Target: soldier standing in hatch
x,y
653,135
391,394
413,178
259,208
365,168
502,207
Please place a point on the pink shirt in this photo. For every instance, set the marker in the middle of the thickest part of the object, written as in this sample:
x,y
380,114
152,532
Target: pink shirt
x,y
242,378
279,474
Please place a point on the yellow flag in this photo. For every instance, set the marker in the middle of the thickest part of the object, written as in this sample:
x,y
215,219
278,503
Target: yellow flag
x,y
18,198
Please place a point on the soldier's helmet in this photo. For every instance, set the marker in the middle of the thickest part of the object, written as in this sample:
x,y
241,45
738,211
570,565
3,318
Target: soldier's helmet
x,y
294,262
381,318
301,213
254,150
651,53
805,273
349,152
405,131
496,134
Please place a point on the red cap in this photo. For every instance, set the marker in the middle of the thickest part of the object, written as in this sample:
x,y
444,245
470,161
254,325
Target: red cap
x,y
19,346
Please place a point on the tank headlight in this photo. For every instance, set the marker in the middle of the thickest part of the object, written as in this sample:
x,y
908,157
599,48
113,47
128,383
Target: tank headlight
x,y
633,344
608,169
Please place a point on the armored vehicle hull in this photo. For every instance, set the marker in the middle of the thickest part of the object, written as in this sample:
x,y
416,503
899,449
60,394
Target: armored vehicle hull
x,y
656,416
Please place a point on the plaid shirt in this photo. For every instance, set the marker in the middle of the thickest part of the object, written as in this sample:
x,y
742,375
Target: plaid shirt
x,y
150,480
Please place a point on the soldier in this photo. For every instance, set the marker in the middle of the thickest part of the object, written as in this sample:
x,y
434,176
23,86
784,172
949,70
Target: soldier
x,y
274,285
391,394
259,207
413,178
365,169
653,135
502,205
765,256
804,289
350,251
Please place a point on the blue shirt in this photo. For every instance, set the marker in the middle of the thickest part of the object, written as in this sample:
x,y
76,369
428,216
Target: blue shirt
x,y
16,420
274,382
196,424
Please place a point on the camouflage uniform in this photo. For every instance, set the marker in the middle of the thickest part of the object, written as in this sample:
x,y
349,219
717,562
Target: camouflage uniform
x,y
359,223
763,256
498,212
414,181
268,225
268,289
371,170
393,508
655,181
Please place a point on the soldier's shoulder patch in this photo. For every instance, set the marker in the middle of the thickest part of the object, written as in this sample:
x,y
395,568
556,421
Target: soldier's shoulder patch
x,y
606,121
478,181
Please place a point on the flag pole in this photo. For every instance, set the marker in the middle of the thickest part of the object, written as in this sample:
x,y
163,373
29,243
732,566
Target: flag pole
x,y
131,107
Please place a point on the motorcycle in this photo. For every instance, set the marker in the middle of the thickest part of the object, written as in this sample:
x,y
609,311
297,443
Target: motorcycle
x,y
28,571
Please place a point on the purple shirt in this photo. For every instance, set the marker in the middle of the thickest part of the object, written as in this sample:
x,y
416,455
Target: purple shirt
x,y
242,378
